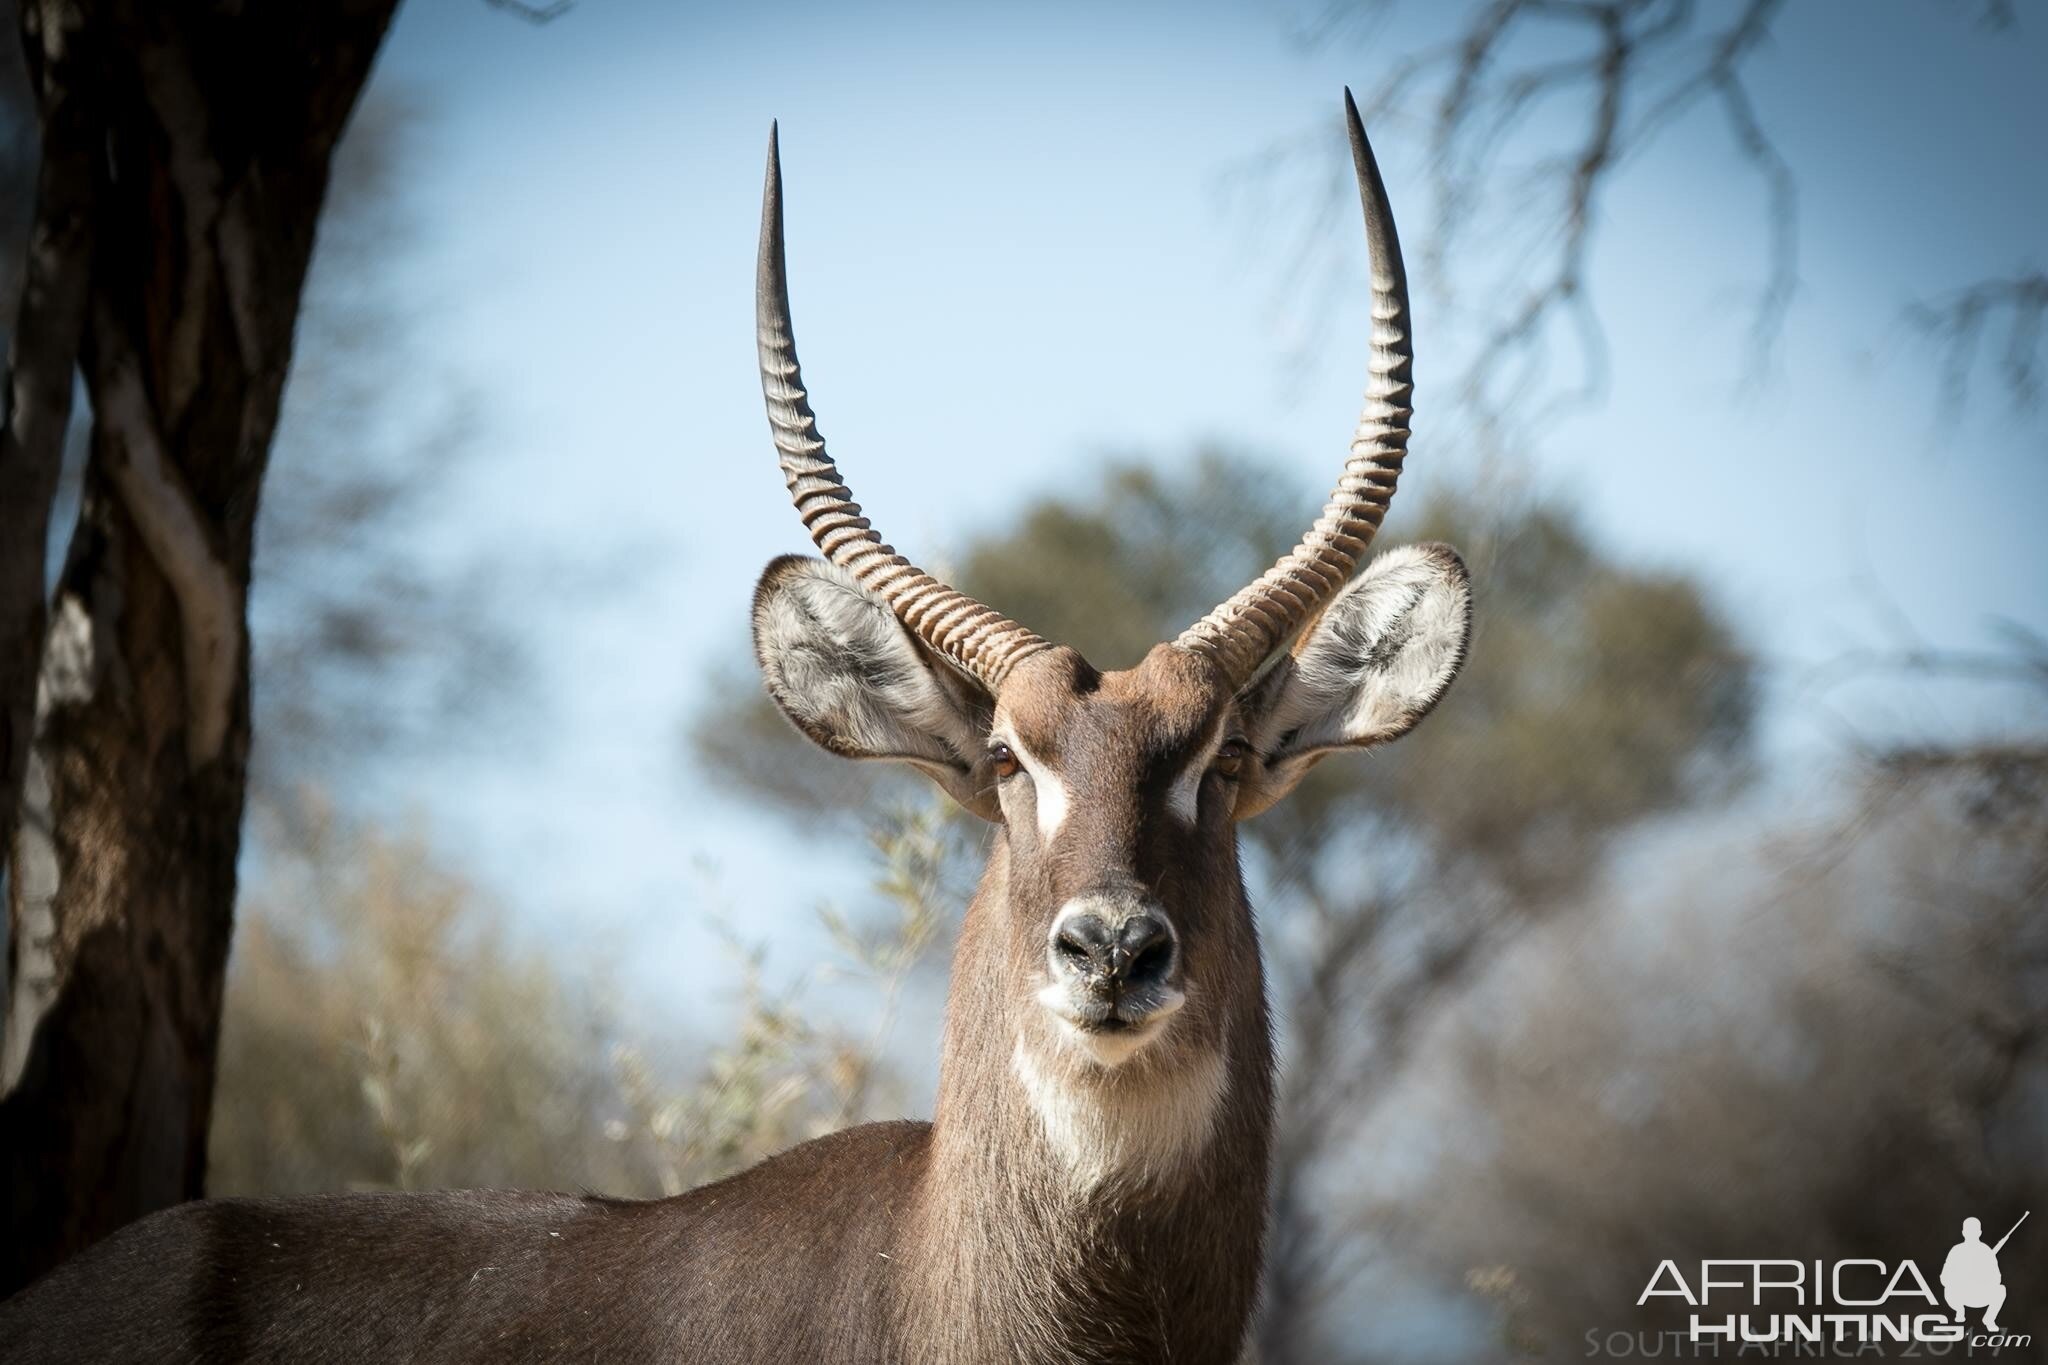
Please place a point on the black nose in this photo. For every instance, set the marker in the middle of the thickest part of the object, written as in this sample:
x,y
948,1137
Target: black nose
x,y
1139,951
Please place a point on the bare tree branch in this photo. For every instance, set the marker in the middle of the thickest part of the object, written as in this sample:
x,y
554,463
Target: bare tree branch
x,y
1959,322
1641,66
1998,14
175,529
1972,665
532,13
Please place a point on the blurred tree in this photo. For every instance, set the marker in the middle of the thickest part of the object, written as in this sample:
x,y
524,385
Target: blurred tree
x,y
1736,1145
174,213
378,1028
1596,695
364,647
1852,1074
381,1033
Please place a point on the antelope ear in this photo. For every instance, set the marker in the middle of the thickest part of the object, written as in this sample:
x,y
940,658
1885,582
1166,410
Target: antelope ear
x,y
1365,671
846,673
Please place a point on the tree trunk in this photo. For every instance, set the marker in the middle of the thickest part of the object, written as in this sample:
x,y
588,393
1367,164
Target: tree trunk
x,y
205,129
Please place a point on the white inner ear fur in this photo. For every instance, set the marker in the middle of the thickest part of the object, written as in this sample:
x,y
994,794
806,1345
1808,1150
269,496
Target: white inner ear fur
x,y
1049,794
1379,657
843,665
1107,1129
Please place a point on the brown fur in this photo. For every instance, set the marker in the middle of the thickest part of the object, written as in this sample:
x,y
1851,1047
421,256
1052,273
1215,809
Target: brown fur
x,y
1032,1267
1065,1202
1056,1209
962,1241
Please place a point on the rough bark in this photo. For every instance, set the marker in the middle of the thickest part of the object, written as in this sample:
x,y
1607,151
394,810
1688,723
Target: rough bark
x,y
208,130
44,354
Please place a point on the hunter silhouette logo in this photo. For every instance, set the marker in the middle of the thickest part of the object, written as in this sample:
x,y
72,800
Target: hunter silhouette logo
x,y
1859,1301
1970,1279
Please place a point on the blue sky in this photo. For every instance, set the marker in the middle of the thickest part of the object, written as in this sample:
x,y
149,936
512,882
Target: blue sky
x,y
1011,252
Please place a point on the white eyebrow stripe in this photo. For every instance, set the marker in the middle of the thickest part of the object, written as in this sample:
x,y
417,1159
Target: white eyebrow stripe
x,y
1049,793
1183,798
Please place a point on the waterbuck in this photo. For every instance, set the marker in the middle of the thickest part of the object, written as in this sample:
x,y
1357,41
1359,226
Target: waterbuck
x,y
1092,1186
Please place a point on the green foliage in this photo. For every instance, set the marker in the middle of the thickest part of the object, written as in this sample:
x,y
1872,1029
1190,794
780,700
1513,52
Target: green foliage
x,y
381,1031
1596,694
787,1073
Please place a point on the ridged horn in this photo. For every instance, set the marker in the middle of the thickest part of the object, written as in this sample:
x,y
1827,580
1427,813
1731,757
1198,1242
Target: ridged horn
x,y
1246,630
979,639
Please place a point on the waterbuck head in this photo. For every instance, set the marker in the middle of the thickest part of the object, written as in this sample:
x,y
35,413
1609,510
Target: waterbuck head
x,y
1112,944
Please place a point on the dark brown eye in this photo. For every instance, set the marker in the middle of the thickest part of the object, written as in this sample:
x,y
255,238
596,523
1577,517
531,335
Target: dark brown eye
x,y
1230,759
1003,760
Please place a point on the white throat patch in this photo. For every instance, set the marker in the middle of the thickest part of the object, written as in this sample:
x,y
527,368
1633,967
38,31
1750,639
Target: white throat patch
x,y
1104,1132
